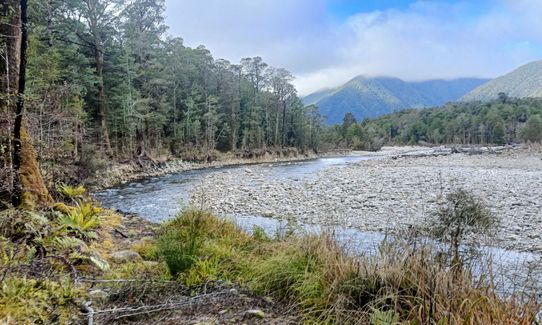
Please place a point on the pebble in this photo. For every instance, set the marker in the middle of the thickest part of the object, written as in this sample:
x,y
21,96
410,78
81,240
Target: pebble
x,y
375,193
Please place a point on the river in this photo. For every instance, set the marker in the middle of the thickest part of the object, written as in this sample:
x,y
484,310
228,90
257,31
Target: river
x,y
161,198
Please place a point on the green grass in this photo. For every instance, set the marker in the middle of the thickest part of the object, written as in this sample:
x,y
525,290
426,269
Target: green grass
x,y
328,286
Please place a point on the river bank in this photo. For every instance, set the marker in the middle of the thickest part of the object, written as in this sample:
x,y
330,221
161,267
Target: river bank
x,y
400,187
122,173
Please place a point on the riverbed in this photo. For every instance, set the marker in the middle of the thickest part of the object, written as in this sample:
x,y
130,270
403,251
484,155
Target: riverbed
x,y
160,198
385,194
361,197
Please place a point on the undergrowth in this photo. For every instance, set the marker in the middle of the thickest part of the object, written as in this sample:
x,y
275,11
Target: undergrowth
x,y
44,253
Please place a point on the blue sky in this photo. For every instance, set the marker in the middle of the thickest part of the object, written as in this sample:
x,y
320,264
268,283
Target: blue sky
x,y
345,8
326,42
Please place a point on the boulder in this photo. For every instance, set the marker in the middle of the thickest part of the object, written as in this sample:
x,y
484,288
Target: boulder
x,y
125,256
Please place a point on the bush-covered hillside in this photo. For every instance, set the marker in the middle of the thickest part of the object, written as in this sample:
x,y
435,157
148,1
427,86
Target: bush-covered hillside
x,y
501,121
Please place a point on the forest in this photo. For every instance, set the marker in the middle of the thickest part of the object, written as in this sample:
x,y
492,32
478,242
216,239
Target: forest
x,y
106,82
502,121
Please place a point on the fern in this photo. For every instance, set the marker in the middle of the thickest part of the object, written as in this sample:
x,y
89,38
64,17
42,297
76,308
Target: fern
x,y
71,192
82,220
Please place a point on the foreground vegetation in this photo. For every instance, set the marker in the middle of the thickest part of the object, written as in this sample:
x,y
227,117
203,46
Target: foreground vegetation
x,y
98,89
401,284
51,261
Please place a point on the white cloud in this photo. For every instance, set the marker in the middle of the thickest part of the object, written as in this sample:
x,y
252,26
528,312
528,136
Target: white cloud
x,y
426,40
283,32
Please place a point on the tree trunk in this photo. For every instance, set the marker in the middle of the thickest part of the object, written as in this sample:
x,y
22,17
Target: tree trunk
x,y
105,144
283,123
29,189
9,67
277,119
233,127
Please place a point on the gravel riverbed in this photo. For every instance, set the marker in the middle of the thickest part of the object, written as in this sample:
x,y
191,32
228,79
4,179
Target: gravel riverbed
x,y
392,190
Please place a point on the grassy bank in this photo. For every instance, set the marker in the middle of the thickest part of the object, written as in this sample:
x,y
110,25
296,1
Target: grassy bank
x,y
399,285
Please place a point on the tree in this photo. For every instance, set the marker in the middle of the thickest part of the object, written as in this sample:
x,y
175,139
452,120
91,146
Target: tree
x,y
533,129
497,130
281,84
97,18
348,120
29,188
461,216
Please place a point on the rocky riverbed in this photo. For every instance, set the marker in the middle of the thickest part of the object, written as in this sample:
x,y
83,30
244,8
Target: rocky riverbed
x,y
395,189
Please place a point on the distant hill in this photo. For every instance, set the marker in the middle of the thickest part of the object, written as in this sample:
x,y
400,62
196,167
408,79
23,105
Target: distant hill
x,y
373,97
525,81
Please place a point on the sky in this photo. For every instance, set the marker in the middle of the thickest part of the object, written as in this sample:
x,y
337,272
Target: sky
x,y
325,43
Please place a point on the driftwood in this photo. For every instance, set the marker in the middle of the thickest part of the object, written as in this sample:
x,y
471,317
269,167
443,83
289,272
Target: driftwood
x,y
473,150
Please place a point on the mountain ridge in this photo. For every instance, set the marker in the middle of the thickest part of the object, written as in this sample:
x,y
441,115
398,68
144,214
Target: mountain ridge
x,y
369,97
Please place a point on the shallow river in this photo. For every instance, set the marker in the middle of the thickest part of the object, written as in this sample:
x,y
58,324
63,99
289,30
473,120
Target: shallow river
x,y
160,198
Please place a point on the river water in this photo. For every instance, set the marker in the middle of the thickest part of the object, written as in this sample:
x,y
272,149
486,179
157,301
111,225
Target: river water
x,y
161,198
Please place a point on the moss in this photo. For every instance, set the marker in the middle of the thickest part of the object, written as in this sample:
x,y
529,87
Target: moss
x,y
29,301
34,193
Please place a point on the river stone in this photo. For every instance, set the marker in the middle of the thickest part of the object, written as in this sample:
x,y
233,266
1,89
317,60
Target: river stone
x,y
256,313
125,256
98,296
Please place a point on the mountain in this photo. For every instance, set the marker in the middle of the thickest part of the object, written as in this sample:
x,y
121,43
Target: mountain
x,y
372,97
317,96
525,81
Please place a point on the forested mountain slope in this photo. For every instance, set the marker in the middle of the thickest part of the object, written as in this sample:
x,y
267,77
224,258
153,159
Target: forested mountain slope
x,y
505,121
525,81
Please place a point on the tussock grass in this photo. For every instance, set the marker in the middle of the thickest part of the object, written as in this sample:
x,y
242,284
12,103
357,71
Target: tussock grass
x,y
314,274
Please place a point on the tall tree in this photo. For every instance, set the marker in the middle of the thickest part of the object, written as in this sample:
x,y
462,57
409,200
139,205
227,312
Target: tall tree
x,y
97,17
29,188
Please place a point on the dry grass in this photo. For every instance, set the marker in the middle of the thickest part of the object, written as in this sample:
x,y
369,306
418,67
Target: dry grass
x,y
399,285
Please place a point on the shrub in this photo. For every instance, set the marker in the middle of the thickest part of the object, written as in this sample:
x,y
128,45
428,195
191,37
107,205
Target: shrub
x,y
400,285
71,192
461,216
179,250
81,220
183,240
